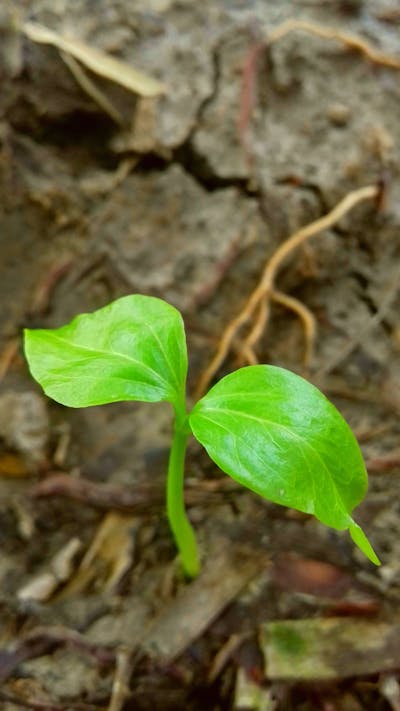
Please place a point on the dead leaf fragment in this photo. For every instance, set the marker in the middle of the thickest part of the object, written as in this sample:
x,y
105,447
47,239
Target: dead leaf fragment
x,y
43,586
250,696
314,577
390,688
329,648
109,556
142,136
97,61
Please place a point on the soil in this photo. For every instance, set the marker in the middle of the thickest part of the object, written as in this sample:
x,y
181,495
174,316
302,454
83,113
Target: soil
x,y
186,196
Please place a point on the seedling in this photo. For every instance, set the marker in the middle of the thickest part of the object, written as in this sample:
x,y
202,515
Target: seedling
x,y
266,427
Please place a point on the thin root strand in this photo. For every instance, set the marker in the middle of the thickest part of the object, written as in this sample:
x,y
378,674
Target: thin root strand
x,y
265,292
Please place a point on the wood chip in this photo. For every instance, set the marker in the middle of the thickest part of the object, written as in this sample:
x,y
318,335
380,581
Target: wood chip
x,y
250,696
109,556
225,574
329,648
61,566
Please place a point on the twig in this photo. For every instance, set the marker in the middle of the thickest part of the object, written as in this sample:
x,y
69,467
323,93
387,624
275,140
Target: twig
x,y
120,689
224,655
366,434
265,287
44,640
7,356
385,463
346,38
90,88
42,295
391,15
337,389
144,498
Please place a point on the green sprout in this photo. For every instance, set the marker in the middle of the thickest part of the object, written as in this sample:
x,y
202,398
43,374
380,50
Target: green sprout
x,y
266,427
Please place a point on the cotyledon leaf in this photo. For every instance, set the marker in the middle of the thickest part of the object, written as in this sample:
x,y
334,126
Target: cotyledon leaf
x,y
132,349
278,435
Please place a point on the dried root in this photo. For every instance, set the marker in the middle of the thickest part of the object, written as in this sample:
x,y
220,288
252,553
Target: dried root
x,y
349,40
258,304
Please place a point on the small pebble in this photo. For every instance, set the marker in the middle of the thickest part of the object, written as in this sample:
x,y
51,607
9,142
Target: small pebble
x,y
24,424
338,114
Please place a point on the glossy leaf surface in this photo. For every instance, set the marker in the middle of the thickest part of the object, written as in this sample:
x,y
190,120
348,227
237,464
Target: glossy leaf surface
x,y
132,349
278,435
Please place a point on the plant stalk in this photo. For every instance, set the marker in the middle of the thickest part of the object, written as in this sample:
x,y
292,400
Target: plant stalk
x,y
180,525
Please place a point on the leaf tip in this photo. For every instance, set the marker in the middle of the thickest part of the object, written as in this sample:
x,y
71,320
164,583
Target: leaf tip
x,y
360,539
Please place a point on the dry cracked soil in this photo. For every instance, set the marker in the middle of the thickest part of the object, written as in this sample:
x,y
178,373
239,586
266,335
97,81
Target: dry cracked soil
x,y
272,112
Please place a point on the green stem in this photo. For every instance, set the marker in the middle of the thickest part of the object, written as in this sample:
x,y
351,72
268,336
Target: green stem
x,y
178,520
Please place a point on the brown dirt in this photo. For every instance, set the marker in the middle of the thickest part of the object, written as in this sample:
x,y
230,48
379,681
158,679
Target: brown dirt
x,y
186,199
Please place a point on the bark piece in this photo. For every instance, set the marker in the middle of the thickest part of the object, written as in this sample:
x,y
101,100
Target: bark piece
x,y
24,424
250,696
329,648
225,574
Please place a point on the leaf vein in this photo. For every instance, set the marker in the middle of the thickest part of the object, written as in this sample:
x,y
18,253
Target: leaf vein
x,y
112,353
293,435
